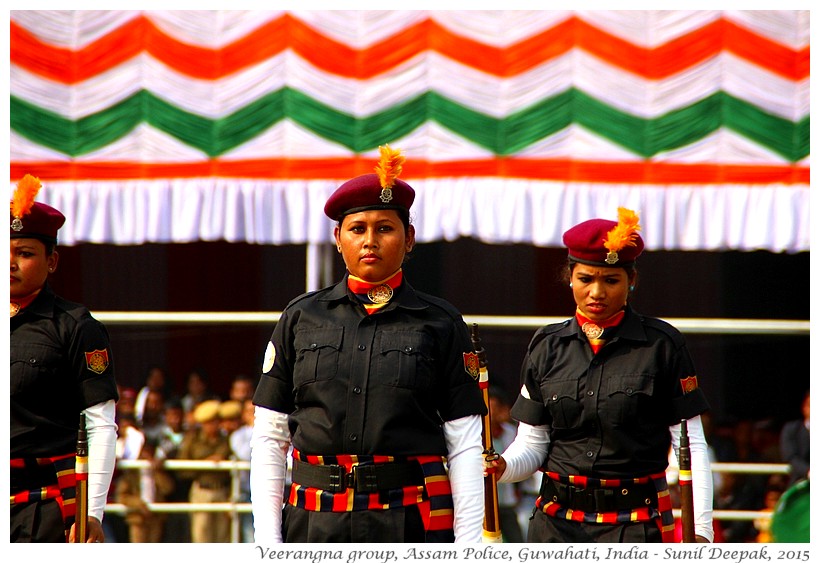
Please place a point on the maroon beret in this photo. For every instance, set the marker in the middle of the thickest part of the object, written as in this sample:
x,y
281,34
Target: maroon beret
x,y
365,192
42,222
587,242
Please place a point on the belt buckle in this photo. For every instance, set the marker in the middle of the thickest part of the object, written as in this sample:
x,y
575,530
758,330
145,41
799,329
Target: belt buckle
x,y
581,498
338,481
587,499
603,500
363,479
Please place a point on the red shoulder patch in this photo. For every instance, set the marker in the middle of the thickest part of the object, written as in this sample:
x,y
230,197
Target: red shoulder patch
x,y
689,384
471,364
97,360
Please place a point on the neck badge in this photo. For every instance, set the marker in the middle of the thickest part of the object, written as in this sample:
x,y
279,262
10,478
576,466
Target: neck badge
x,y
380,294
592,331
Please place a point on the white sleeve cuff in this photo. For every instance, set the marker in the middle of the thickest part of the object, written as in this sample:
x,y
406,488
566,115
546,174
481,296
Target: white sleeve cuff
x,y
102,444
270,440
526,454
465,463
702,486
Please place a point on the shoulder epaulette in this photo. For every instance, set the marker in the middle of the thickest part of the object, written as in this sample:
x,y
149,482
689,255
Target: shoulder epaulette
x,y
76,311
298,298
306,295
545,331
664,327
439,303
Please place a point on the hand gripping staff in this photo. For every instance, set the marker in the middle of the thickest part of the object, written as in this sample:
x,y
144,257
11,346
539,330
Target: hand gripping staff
x,y
81,474
492,529
687,506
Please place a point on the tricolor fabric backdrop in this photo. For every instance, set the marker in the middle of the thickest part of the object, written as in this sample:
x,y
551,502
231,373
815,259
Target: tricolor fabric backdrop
x,y
178,126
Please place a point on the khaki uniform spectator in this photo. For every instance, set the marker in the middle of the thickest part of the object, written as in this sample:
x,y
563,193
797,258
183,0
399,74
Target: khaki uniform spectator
x,y
230,417
206,442
136,488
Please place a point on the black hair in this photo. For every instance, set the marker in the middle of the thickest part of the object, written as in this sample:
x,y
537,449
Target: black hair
x,y
499,393
198,372
173,403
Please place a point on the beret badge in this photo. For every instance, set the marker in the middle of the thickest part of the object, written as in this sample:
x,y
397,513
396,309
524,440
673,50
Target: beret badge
x,y
23,200
622,235
388,169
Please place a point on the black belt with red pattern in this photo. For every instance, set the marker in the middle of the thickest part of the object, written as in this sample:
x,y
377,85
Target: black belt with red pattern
x,y
600,499
362,478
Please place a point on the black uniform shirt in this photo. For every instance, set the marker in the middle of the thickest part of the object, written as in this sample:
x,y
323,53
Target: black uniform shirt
x,y
610,413
354,383
60,364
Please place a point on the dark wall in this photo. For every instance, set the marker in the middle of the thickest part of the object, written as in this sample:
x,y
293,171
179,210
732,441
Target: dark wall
x,y
215,276
744,376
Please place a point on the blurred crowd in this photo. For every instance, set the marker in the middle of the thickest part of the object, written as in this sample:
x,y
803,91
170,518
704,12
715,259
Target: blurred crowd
x,y
756,441
157,425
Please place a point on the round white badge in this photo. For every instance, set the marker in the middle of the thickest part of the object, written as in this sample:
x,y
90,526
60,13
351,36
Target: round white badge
x,y
270,357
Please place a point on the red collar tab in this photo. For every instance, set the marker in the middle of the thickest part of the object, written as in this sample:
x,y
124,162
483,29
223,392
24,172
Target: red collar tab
x,y
614,320
358,285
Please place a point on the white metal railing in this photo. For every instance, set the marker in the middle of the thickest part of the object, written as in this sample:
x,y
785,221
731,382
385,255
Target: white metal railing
x,y
689,325
234,507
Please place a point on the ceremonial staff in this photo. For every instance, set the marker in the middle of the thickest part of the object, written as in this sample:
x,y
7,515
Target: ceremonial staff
x,y
81,474
687,507
492,529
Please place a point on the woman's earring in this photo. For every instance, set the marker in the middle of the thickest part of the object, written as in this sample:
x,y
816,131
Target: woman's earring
x,y
570,284
631,288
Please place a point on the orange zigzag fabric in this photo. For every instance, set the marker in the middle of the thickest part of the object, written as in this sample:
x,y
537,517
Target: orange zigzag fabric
x,y
288,32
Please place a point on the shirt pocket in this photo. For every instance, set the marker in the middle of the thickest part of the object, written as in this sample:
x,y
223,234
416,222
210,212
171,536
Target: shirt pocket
x,y
33,366
629,399
563,403
405,359
317,354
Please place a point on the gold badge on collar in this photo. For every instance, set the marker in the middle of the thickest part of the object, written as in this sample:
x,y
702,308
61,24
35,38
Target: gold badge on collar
x,y
15,308
380,294
97,360
592,331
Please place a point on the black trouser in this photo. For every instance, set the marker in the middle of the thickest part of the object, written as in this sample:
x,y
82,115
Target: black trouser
x,y
396,525
37,522
510,528
546,529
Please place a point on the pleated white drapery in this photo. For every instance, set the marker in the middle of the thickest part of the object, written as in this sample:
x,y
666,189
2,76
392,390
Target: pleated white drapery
x,y
491,210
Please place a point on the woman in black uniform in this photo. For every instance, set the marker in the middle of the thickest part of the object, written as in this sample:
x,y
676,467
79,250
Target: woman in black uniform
x,y
601,401
61,365
371,383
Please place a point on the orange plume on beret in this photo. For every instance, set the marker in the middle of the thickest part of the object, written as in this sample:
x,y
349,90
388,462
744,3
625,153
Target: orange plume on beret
x,y
389,166
24,195
625,232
